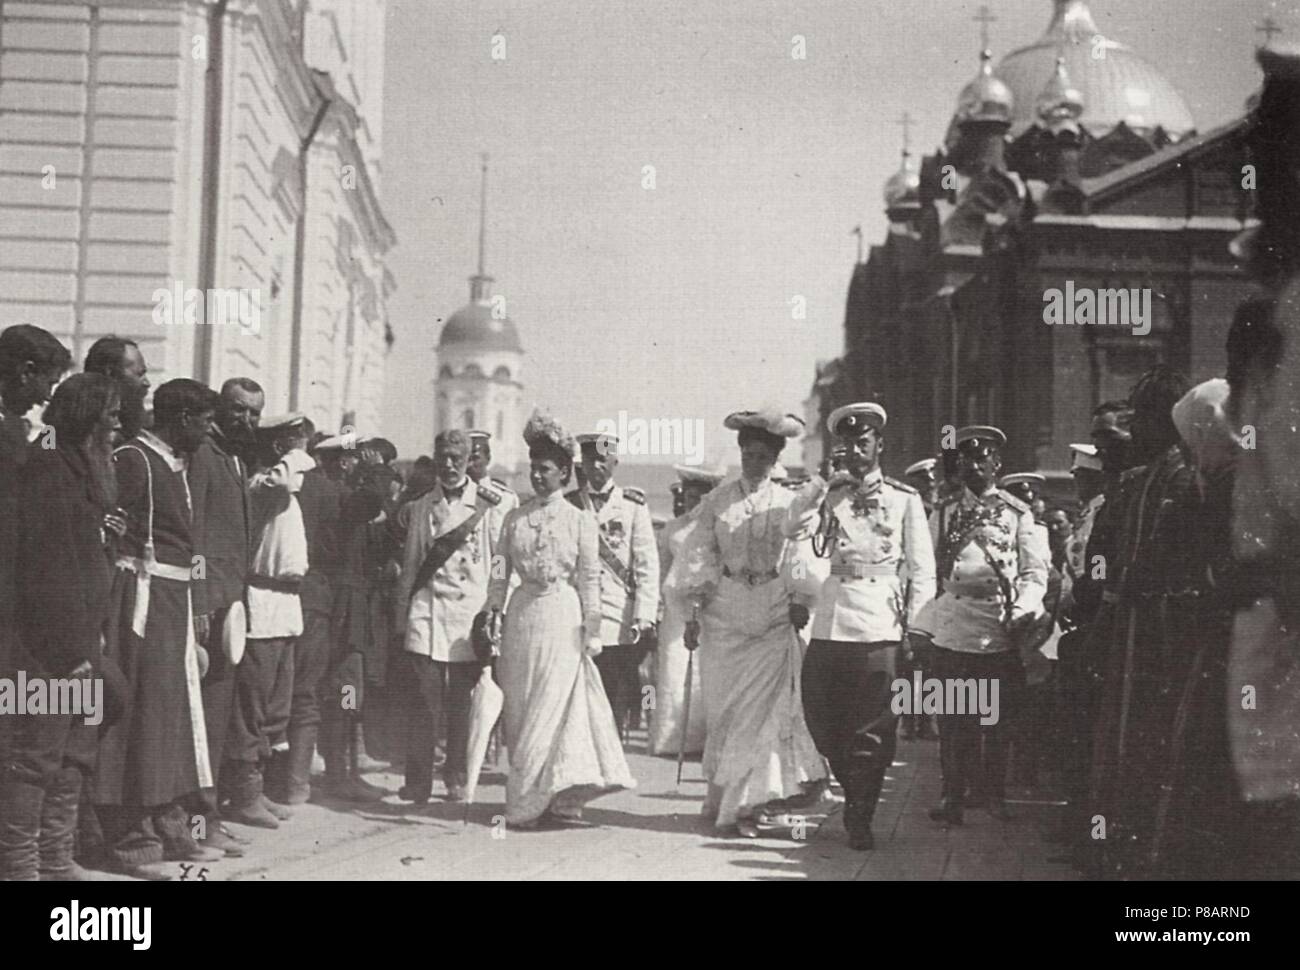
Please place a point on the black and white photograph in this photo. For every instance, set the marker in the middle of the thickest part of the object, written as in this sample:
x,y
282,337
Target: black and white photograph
x,y
677,441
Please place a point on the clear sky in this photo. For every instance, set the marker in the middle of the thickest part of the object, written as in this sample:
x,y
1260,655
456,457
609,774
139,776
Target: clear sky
x,y
676,302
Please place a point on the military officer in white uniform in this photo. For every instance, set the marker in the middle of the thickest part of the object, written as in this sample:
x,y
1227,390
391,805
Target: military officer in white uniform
x,y
629,573
993,576
480,462
452,532
873,531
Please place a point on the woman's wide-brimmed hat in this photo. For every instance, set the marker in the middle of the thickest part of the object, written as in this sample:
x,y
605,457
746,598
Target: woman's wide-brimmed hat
x,y
771,421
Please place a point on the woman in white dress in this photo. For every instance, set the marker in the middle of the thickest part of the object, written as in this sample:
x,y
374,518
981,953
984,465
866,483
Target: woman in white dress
x,y
559,731
745,577
671,657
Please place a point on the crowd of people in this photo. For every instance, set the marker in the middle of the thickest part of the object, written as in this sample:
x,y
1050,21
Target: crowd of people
x,y
250,592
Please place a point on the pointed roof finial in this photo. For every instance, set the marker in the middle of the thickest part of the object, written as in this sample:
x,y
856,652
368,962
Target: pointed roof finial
x,y
984,17
478,283
906,122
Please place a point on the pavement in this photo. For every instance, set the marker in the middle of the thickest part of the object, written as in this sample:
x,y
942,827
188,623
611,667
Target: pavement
x,y
653,832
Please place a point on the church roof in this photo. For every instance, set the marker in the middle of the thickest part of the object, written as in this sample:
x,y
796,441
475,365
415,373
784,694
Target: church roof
x,y
1116,84
473,327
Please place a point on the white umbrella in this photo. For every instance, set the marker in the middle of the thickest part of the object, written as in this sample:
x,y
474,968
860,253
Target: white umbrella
x,y
485,703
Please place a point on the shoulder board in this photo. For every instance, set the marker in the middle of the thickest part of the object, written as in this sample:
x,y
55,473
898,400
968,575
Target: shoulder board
x,y
502,486
1018,504
1131,473
489,495
901,486
634,495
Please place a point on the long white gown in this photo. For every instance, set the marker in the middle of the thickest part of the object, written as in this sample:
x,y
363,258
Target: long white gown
x,y
672,658
758,748
559,731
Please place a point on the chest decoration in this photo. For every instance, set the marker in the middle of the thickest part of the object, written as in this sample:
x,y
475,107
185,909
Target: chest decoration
x,y
613,532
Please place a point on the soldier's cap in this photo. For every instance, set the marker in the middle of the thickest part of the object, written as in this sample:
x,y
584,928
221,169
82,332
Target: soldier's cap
x,y
599,442
698,475
282,421
1023,478
851,420
924,465
477,435
1084,456
337,442
981,434
771,421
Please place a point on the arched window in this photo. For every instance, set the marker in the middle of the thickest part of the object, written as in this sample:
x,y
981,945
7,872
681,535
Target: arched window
x,y
446,371
502,373
501,425
473,370
468,418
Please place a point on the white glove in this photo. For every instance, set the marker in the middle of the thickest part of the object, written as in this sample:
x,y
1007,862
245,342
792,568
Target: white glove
x,y
593,647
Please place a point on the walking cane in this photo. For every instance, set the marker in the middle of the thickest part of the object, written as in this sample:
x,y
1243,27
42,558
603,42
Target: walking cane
x,y
686,708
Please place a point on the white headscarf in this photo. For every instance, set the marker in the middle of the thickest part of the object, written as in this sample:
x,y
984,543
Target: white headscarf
x,y
1202,421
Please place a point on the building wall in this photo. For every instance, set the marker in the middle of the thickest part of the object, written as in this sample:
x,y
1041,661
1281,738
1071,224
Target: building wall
x,y
103,113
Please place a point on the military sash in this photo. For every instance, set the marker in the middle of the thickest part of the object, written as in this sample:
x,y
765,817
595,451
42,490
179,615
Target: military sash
x,y
444,547
608,557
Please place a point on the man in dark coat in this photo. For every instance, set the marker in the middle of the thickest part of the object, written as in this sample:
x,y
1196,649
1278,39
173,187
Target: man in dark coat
x,y
1150,590
158,756
63,580
218,476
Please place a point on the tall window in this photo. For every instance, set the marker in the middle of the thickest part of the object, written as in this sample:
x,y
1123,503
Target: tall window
x,y
468,418
501,425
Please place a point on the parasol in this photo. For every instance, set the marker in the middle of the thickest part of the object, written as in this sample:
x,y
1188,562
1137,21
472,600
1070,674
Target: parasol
x,y
485,703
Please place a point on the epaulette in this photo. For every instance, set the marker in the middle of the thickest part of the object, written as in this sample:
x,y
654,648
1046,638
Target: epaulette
x,y
489,495
635,495
901,486
501,485
1131,473
1018,504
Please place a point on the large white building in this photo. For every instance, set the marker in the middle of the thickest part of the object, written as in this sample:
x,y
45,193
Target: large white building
x,y
480,360
165,156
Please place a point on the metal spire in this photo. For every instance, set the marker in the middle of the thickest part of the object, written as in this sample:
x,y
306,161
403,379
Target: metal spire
x,y
478,282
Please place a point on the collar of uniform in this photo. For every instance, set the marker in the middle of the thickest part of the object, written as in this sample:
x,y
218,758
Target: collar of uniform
x,y
605,492
747,489
162,449
556,496
970,498
873,480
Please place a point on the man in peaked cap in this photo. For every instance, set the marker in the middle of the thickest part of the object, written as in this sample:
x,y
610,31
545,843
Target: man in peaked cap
x,y
921,476
993,575
629,572
874,532
480,463
1028,487
451,538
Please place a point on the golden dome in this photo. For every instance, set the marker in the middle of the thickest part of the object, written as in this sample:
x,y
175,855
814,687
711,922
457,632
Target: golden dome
x,y
1115,83
986,98
903,188
1060,103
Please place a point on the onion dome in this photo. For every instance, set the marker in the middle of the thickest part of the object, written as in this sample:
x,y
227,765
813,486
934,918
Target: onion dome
x,y
1115,83
903,188
1060,104
474,327
986,98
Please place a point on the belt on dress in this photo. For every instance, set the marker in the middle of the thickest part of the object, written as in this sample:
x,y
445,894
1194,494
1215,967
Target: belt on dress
x,y
140,567
862,570
288,585
749,577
